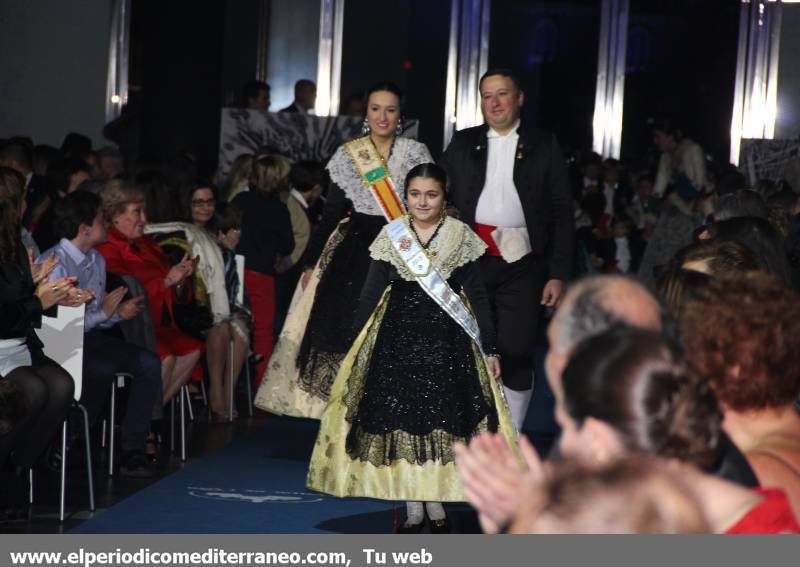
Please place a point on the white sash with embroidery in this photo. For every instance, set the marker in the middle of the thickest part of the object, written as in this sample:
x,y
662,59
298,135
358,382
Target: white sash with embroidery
x,y
435,285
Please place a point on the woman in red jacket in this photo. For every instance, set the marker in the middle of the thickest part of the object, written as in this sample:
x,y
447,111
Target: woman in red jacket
x,y
128,252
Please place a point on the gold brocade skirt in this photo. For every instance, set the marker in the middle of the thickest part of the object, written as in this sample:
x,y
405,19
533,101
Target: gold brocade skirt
x,y
279,392
333,471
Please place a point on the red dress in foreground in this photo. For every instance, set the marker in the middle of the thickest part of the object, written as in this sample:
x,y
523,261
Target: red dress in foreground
x,y
773,515
144,260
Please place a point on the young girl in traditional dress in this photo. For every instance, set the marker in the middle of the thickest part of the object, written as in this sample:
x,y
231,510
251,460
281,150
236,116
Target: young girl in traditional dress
x,y
422,372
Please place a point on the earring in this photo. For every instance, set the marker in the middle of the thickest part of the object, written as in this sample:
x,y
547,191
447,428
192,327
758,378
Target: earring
x,y
443,213
399,129
365,127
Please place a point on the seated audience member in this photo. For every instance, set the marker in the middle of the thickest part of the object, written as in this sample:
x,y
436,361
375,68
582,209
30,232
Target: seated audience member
x,y
17,157
595,304
63,177
741,334
718,258
644,207
782,208
228,228
630,496
761,238
742,203
46,389
41,158
209,291
128,252
784,214
614,188
266,236
693,268
679,286
110,163
76,145
591,174
167,211
80,222
626,394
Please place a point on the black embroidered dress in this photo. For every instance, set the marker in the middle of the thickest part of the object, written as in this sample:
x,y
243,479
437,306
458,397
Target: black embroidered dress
x,y
412,384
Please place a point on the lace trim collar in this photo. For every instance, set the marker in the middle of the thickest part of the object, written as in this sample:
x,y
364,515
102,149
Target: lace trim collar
x,y
406,154
454,246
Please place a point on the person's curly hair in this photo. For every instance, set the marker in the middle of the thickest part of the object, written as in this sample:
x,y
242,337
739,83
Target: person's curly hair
x,y
742,335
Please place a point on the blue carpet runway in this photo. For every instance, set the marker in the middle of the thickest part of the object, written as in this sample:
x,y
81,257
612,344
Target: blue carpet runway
x,y
255,485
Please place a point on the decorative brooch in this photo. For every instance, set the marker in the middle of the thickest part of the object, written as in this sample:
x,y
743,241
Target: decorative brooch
x,y
405,244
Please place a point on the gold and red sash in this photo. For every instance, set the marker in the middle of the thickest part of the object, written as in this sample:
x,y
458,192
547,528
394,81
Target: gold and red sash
x,y
374,174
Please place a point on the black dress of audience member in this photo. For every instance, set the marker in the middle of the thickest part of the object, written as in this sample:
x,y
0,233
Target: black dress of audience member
x,y
46,389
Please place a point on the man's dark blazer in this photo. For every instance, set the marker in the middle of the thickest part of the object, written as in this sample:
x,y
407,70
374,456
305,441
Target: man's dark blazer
x,y
540,176
293,108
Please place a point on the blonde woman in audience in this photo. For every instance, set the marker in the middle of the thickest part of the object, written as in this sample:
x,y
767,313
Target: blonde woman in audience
x,y
239,176
266,237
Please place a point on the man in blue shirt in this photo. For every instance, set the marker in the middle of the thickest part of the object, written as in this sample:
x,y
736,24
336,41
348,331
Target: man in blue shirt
x,y
79,221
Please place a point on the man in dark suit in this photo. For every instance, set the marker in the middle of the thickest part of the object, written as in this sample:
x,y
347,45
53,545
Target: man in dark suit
x,y
509,182
305,96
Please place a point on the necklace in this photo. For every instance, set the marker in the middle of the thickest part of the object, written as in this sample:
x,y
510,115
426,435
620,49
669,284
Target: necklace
x,y
388,155
425,245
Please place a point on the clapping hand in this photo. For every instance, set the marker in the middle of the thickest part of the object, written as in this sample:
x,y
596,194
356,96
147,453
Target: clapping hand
x,y
494,480
130,308
76,297
112,300
51,293
40,271
180,271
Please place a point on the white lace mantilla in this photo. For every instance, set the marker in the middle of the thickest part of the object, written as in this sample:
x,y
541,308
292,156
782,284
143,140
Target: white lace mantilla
x,y
406,154
454,246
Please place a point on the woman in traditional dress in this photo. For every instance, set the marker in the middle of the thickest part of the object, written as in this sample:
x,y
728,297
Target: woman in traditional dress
x,y
421,373
367,180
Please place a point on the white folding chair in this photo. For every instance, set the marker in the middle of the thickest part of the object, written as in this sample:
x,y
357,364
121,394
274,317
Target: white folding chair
x,y
63,343
239,259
